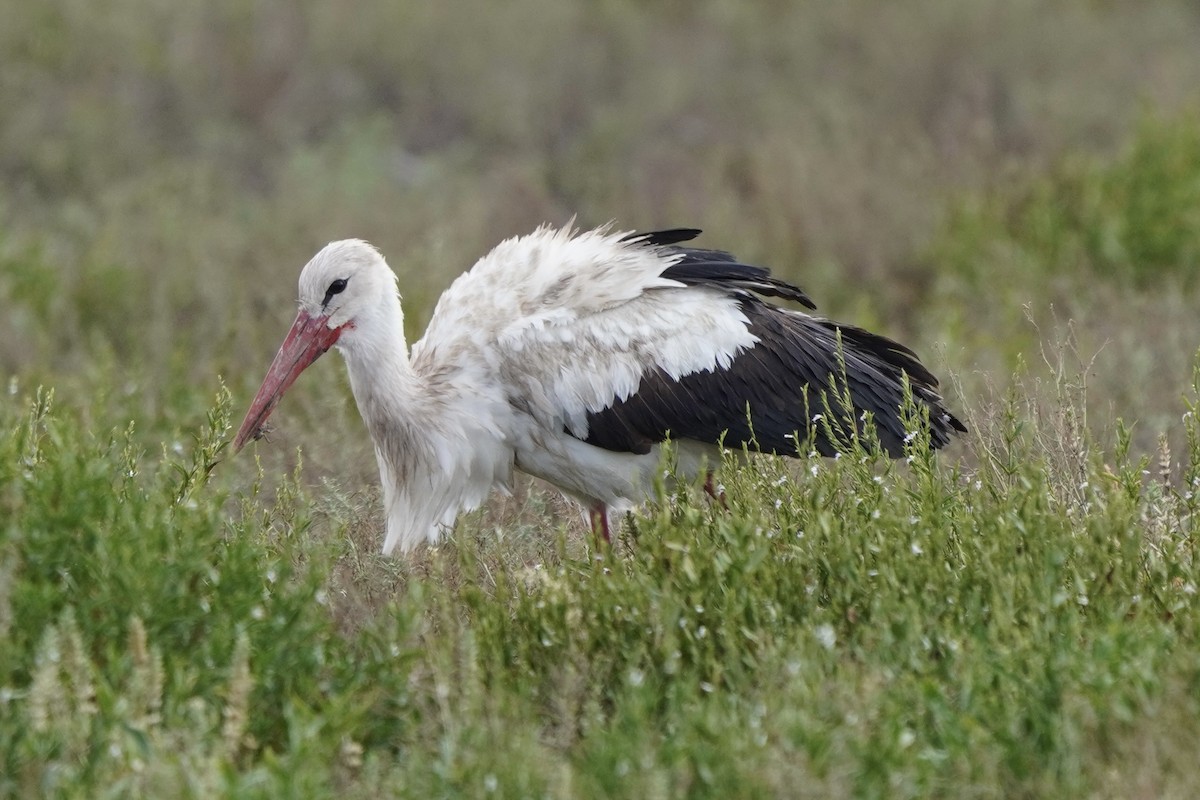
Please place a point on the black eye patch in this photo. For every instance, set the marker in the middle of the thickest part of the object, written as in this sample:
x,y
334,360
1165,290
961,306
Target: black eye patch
x,y
337,287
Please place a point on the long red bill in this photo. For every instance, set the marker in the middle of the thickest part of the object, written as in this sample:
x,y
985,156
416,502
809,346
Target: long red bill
x,y
307,341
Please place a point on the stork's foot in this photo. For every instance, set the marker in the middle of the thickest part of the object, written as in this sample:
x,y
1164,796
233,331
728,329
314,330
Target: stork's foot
x,y
710,488
599,516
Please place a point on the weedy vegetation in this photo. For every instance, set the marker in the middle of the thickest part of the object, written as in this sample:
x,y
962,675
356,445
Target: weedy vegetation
x,y
855,626
1013,189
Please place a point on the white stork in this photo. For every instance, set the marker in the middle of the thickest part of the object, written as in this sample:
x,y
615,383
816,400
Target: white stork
x,y
572,356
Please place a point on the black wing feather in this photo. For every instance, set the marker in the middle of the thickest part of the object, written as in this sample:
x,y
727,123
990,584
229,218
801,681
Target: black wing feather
x,y
800,367
662,238
773,390
697,267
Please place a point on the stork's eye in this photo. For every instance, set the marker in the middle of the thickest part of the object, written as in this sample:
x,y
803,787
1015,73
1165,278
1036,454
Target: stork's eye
x,y
337,287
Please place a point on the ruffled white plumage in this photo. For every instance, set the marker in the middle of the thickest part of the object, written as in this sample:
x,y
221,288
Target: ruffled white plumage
x,y
541,331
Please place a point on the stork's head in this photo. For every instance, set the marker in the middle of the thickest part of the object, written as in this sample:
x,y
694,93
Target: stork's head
x,y
347,292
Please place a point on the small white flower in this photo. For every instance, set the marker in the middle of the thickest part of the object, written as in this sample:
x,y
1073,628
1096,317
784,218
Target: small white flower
x,y
826,636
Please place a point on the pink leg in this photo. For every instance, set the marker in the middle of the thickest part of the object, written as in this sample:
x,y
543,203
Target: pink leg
x,y
710,488
599,517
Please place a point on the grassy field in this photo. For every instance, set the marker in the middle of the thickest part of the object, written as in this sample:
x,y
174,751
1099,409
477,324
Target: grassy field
x,y
1011,188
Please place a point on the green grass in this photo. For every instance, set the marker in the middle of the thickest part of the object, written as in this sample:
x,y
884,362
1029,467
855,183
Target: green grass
x,y
849,627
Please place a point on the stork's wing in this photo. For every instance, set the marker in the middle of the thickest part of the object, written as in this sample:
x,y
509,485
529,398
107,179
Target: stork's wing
x,y
624,341
794,380
799,376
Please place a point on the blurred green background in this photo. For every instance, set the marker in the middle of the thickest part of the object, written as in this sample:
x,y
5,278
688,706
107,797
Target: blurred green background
x,y
968,177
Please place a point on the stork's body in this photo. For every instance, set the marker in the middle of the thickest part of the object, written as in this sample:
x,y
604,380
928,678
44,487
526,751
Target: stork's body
x,y
572,357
